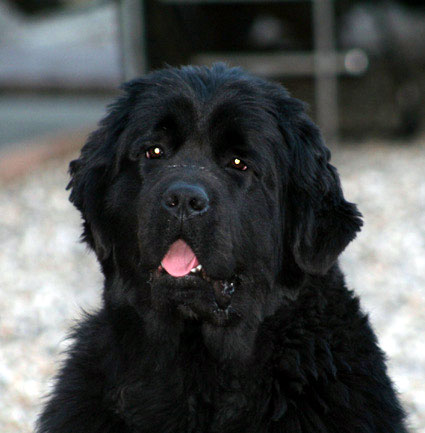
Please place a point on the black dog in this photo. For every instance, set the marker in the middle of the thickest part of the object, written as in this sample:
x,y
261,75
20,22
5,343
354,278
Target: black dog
x,y
208,197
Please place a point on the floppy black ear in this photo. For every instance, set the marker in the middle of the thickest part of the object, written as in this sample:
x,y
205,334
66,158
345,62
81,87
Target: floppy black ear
x,y
322,222
91,172
87,184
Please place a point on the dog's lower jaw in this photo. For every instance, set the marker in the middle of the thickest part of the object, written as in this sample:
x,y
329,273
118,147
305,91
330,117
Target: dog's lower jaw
x,y
228,334
215,315
225,339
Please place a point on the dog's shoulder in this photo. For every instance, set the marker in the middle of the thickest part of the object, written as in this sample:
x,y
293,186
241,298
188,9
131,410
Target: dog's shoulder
x,y
326,360
78,401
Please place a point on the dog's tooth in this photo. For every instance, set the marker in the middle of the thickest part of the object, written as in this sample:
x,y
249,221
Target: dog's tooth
x,y
194,270
199,267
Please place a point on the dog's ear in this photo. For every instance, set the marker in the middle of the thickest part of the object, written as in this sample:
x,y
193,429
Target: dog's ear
x,y
87,185
92,171
320,222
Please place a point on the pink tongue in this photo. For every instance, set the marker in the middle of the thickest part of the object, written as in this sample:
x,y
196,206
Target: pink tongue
x,y
180,259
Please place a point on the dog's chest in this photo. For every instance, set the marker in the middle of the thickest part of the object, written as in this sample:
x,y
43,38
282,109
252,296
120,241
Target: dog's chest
x,y
186,400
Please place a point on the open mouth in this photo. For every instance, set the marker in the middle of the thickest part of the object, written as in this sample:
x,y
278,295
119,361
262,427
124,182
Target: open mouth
x,y
197,271
181,263
180,260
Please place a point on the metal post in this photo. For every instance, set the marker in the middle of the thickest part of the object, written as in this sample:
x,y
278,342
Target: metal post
x,y
326,93
133,38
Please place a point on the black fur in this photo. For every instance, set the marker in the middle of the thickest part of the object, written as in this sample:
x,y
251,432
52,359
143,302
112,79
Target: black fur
x,y
290,349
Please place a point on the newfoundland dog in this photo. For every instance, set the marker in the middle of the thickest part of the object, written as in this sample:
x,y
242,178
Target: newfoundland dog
x,y
217,219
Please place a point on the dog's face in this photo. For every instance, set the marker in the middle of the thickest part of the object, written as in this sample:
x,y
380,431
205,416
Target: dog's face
x,y
207,193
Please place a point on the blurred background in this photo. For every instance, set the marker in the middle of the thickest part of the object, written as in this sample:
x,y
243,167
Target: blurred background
x,y
359,64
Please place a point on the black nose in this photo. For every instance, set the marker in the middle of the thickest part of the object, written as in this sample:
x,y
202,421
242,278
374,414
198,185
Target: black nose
x,y
184,200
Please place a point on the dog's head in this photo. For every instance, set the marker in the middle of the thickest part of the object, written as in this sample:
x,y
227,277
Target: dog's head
x,y
206,191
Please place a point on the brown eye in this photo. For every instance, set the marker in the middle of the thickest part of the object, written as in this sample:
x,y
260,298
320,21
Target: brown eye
x,y
154,152
238,164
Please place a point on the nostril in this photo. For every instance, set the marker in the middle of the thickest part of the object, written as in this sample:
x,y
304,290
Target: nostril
x,y
197,203
172,201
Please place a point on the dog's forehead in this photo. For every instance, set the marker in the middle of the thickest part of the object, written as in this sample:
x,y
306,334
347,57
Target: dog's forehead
x,y
195,113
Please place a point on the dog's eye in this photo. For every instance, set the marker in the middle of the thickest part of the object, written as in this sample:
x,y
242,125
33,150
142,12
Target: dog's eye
x,y
154,152
238,164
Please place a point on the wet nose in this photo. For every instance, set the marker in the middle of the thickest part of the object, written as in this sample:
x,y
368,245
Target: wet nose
x,y
184,200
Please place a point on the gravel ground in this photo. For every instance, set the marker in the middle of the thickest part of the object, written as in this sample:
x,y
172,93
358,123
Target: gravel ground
x,y
46,276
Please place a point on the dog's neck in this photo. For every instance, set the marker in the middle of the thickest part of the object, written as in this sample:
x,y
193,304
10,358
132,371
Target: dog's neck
x,y
221,344
167,332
